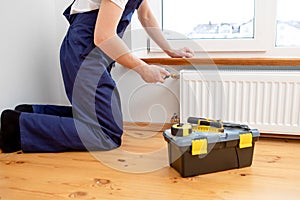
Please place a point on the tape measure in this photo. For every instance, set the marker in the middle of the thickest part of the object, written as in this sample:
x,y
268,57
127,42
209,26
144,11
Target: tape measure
x,y
181,129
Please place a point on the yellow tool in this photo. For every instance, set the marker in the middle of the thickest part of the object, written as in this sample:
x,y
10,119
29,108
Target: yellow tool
x,y
196,124
206,125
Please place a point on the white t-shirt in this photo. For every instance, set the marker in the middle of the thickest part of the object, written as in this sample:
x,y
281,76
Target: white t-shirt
x,y
81,6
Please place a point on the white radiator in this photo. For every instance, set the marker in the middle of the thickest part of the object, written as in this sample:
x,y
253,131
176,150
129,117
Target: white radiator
x,y
267,100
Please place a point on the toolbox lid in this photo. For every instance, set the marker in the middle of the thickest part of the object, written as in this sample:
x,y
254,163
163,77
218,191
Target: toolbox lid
x,y
228,135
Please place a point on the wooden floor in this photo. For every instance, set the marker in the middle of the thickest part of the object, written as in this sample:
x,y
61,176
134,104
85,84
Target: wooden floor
x,y
138,170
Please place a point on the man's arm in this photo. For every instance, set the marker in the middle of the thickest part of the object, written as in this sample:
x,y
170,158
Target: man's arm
x,y
106,38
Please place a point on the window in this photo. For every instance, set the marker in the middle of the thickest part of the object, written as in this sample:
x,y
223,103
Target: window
x,y
252,27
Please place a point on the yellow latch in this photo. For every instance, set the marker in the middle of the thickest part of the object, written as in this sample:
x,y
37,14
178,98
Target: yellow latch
x,y
245,140
199,147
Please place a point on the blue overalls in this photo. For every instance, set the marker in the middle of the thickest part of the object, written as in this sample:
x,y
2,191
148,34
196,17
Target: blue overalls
x,y
94,121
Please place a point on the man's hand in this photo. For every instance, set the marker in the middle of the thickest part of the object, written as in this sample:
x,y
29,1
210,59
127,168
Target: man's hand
x,y
181,53
152,73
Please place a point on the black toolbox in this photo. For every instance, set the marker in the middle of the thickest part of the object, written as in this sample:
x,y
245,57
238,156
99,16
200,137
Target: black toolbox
x,y
207,152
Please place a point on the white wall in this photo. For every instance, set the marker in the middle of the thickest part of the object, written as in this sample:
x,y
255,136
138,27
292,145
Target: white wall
x,y
143,102
31,32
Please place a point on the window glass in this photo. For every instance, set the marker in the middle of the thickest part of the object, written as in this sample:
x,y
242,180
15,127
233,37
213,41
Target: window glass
x,y
288,23
209,19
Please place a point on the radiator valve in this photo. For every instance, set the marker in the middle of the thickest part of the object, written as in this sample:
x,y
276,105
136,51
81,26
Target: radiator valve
x,y
175,119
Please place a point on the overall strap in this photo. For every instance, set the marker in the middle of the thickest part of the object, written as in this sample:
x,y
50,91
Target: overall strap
x,y
67,12
130,8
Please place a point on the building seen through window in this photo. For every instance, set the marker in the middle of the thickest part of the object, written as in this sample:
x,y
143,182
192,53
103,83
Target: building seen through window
x,y
202,19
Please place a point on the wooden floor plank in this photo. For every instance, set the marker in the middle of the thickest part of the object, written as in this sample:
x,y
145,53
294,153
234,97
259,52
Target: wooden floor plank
x,y
275,174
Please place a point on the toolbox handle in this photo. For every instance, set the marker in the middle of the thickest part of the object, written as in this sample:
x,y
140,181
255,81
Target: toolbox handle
x,y
233,125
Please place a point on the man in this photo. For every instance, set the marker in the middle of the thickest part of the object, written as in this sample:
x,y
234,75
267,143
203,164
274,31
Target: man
x,y
91,46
